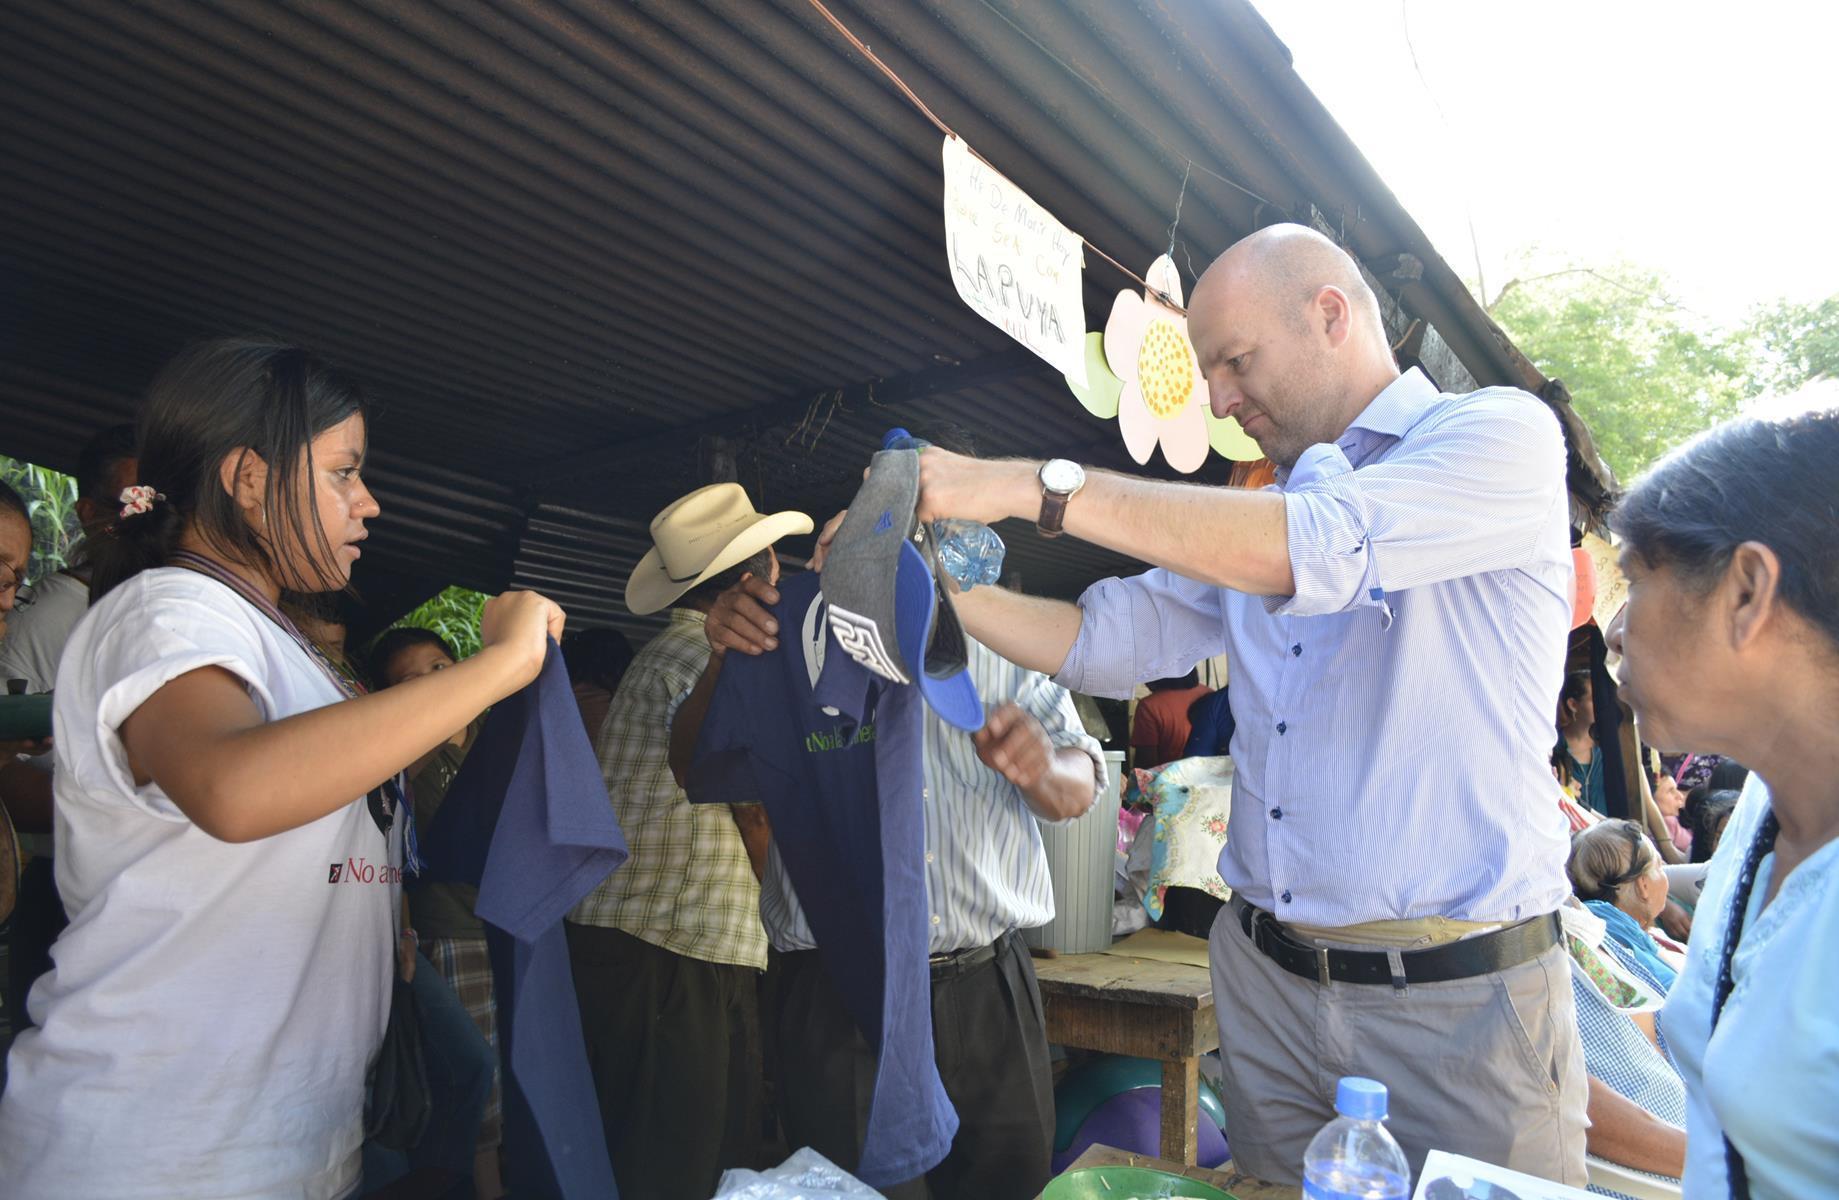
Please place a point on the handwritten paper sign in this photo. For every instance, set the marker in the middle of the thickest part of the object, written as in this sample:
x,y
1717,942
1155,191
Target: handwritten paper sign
x,y
1012,262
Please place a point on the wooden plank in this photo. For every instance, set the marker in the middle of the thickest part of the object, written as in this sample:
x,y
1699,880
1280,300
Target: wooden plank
x,y
1140,981
1180,1097
1112,1026
1225,1176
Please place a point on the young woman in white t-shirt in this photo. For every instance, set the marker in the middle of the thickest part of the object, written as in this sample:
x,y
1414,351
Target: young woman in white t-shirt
x,y
229,845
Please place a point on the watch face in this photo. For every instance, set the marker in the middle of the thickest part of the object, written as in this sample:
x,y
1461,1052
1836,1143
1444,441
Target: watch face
x,y
1061,476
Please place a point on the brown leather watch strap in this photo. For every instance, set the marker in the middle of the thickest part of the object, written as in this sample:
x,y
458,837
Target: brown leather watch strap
x,y
1052,521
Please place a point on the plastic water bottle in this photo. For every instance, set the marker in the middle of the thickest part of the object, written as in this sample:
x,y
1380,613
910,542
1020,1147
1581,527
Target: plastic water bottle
x,y
970,551
1354,1157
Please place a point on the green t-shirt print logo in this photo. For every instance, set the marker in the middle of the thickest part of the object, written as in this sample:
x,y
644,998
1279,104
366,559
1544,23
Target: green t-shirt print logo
x,y
838,738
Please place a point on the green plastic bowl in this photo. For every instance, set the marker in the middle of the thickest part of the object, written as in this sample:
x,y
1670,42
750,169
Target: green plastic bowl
x,y
1129,1183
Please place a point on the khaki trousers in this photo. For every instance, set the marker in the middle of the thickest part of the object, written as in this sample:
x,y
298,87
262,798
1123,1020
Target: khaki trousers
x,y
1489,1067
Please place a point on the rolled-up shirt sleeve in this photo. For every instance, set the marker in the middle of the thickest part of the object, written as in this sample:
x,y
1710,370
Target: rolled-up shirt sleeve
x,y
1150,626
1471,493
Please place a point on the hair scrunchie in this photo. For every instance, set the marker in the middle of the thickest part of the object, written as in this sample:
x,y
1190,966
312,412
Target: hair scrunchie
x,y
138,499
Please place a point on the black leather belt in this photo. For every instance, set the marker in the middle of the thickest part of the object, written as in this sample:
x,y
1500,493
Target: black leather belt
x,y
1481,955
959,961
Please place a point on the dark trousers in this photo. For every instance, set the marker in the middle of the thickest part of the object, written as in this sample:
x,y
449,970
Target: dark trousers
x,y
37,920
991,1042
669,1043
459,1062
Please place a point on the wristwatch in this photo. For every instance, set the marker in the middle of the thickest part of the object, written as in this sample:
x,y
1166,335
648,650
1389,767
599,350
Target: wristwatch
x,y
1061,480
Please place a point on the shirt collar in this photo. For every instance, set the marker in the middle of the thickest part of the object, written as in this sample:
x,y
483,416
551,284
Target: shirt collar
x,y
1386,418
1398,406
683,614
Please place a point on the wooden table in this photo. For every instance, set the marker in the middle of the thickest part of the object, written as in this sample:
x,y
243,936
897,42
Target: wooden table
x,y
1224,1177
1143,1008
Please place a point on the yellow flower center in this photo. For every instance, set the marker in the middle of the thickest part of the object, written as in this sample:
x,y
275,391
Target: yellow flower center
x,y
1165,368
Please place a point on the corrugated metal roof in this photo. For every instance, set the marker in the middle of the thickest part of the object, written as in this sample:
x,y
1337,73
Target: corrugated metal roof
x,y
559,238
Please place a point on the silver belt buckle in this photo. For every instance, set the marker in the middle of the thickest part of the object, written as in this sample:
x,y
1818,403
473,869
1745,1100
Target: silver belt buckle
x,y
1321,966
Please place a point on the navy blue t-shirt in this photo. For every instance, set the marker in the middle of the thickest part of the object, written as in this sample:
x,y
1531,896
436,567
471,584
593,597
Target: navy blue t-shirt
x,y
527,821
836,754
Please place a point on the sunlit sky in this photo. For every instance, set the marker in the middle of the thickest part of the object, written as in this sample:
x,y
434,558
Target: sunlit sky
x,y
1690,137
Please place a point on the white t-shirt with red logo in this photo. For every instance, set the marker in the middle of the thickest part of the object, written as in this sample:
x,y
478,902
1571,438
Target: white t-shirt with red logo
x,y
213,1008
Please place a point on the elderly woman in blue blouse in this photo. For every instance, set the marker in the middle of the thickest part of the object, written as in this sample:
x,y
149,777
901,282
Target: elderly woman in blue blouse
x,y
1620,877
1637,1105
1730,645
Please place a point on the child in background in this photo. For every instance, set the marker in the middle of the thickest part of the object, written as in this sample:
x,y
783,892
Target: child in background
x,y
451,937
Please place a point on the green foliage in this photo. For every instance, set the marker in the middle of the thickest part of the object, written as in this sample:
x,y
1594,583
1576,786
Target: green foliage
x,y
454,614
1644,374
1795,344
51,498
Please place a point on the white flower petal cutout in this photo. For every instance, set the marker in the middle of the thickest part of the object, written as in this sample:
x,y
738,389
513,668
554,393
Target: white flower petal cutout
x,y
1124,334
1184,439
1164,277
1134,421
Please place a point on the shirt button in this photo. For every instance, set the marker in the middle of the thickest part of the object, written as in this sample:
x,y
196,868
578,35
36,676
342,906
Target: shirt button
x,y
935,916
925,793
928,856
1282,727
1297,650
1276,815
1285,898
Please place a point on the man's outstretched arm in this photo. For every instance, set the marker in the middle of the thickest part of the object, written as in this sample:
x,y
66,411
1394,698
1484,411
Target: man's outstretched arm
x,y
1227,537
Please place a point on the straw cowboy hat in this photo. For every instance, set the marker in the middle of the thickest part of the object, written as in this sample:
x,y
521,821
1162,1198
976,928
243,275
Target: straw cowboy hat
x,y
700,536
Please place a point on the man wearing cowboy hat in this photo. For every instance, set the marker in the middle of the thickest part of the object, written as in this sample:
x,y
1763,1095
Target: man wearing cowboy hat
x,y
666,950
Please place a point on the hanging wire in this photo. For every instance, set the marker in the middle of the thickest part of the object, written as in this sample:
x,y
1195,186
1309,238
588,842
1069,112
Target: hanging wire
x,y
949,132
1180,196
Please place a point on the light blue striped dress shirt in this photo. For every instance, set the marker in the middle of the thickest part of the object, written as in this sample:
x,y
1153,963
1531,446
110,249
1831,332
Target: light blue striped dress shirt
x,y
1395,715
986,868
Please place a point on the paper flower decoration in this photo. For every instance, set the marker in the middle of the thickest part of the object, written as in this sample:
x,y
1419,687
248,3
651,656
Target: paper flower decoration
x,y
1163,400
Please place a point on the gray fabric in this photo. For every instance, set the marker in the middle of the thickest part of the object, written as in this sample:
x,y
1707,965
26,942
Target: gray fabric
x,y
1489,1067
859,572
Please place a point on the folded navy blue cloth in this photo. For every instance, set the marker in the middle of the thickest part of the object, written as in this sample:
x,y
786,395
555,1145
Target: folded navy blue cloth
x,y
836,754
1211,718
527,821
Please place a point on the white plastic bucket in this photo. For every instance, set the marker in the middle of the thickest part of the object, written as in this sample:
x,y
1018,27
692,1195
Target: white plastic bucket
x,y
1081,860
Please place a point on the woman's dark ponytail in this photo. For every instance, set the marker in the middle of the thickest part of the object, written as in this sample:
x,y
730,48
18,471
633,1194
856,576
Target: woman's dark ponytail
x,y
134,544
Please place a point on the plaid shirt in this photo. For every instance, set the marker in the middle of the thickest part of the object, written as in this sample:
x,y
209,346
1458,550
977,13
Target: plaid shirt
x,y
688,885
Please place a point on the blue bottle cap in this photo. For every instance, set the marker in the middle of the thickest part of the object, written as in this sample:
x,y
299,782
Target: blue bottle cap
x,y
1361,1099
899,439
